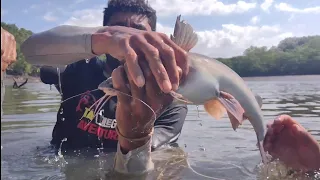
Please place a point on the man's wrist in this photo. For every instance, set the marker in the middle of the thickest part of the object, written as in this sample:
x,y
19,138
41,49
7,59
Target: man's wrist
x,y
130,140
135,162
100,41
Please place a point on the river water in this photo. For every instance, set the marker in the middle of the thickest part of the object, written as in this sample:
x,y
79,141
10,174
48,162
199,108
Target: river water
x,y
209,146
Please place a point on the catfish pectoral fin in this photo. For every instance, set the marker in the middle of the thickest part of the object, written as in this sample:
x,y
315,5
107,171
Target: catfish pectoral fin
x,y
214,108
234,108
235,122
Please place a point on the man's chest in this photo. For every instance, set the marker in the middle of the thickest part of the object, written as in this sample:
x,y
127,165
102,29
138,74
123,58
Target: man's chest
x,y
94,115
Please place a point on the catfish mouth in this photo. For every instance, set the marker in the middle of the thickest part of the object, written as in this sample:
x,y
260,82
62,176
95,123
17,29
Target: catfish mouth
x,y
106,84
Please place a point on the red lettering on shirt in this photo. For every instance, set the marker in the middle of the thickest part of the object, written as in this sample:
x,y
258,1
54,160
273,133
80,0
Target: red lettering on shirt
x,y
99,131
93,129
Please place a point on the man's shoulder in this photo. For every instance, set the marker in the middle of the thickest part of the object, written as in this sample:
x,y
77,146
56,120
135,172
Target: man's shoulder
x,y
84,63
84,67
83,75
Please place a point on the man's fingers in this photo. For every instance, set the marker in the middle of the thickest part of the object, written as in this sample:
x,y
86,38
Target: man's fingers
x,y
152,55
152,89
134,69
156,97
179,72
180,54
137,92
119,83
167,56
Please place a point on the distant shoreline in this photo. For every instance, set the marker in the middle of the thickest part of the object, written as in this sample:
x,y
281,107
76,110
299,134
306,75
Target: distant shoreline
x,y
36,79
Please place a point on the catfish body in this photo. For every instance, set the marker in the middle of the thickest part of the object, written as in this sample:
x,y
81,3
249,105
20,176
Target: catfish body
x,y
217,87
208,77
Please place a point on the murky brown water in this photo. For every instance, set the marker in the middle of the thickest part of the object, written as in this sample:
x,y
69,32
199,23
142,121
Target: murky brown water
x,y
211,147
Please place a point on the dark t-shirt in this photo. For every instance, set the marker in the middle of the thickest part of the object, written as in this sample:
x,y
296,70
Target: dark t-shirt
x,y
74,114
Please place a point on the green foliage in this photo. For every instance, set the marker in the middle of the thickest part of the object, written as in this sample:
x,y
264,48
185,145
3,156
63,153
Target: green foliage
x,y
293,56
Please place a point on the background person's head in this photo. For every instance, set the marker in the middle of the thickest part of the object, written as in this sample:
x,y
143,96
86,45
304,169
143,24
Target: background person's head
x,y
130,13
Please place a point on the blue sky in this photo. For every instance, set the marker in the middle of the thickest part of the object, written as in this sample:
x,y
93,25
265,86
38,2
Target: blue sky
x,y
225,27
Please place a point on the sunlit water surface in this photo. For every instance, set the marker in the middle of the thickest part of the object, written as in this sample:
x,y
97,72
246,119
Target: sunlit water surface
x,y
209,146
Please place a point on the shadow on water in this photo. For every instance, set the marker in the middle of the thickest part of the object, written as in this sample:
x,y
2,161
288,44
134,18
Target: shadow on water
x,y
209,146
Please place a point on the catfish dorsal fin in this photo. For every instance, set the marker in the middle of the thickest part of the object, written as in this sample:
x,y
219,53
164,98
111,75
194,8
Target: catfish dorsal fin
x,y
184,35
214,108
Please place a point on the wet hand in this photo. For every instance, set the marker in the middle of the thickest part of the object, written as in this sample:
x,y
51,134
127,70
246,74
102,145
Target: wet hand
x,y
287,140
162,54
8,49
135,119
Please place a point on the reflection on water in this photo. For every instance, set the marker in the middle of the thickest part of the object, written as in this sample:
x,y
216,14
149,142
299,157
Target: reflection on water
x,y
210,147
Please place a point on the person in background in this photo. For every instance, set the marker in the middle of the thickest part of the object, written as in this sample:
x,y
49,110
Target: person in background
x,y
8,56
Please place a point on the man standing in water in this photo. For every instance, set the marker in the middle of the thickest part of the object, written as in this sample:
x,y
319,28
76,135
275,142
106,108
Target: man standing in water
x,y
8,56
162,65
120,125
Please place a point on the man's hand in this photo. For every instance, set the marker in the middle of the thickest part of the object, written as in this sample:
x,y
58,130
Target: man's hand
x,y
135,119
8,49
287,140
162,54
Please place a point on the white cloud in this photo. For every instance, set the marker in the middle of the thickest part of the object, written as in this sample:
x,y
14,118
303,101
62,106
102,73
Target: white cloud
x,y
232,40
50,17
291,18
87,17
255,20
288,8
164,29
78,1
266,5
227,41
199,7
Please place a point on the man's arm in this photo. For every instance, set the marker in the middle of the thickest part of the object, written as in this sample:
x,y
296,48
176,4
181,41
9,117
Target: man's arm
x,y
166,130
59,46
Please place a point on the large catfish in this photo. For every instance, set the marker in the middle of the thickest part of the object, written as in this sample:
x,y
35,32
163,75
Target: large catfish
x,y
214,85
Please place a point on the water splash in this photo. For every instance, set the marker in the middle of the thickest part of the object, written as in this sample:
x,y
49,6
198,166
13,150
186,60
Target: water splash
x,y
58,159
101,161
276,170
198,111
